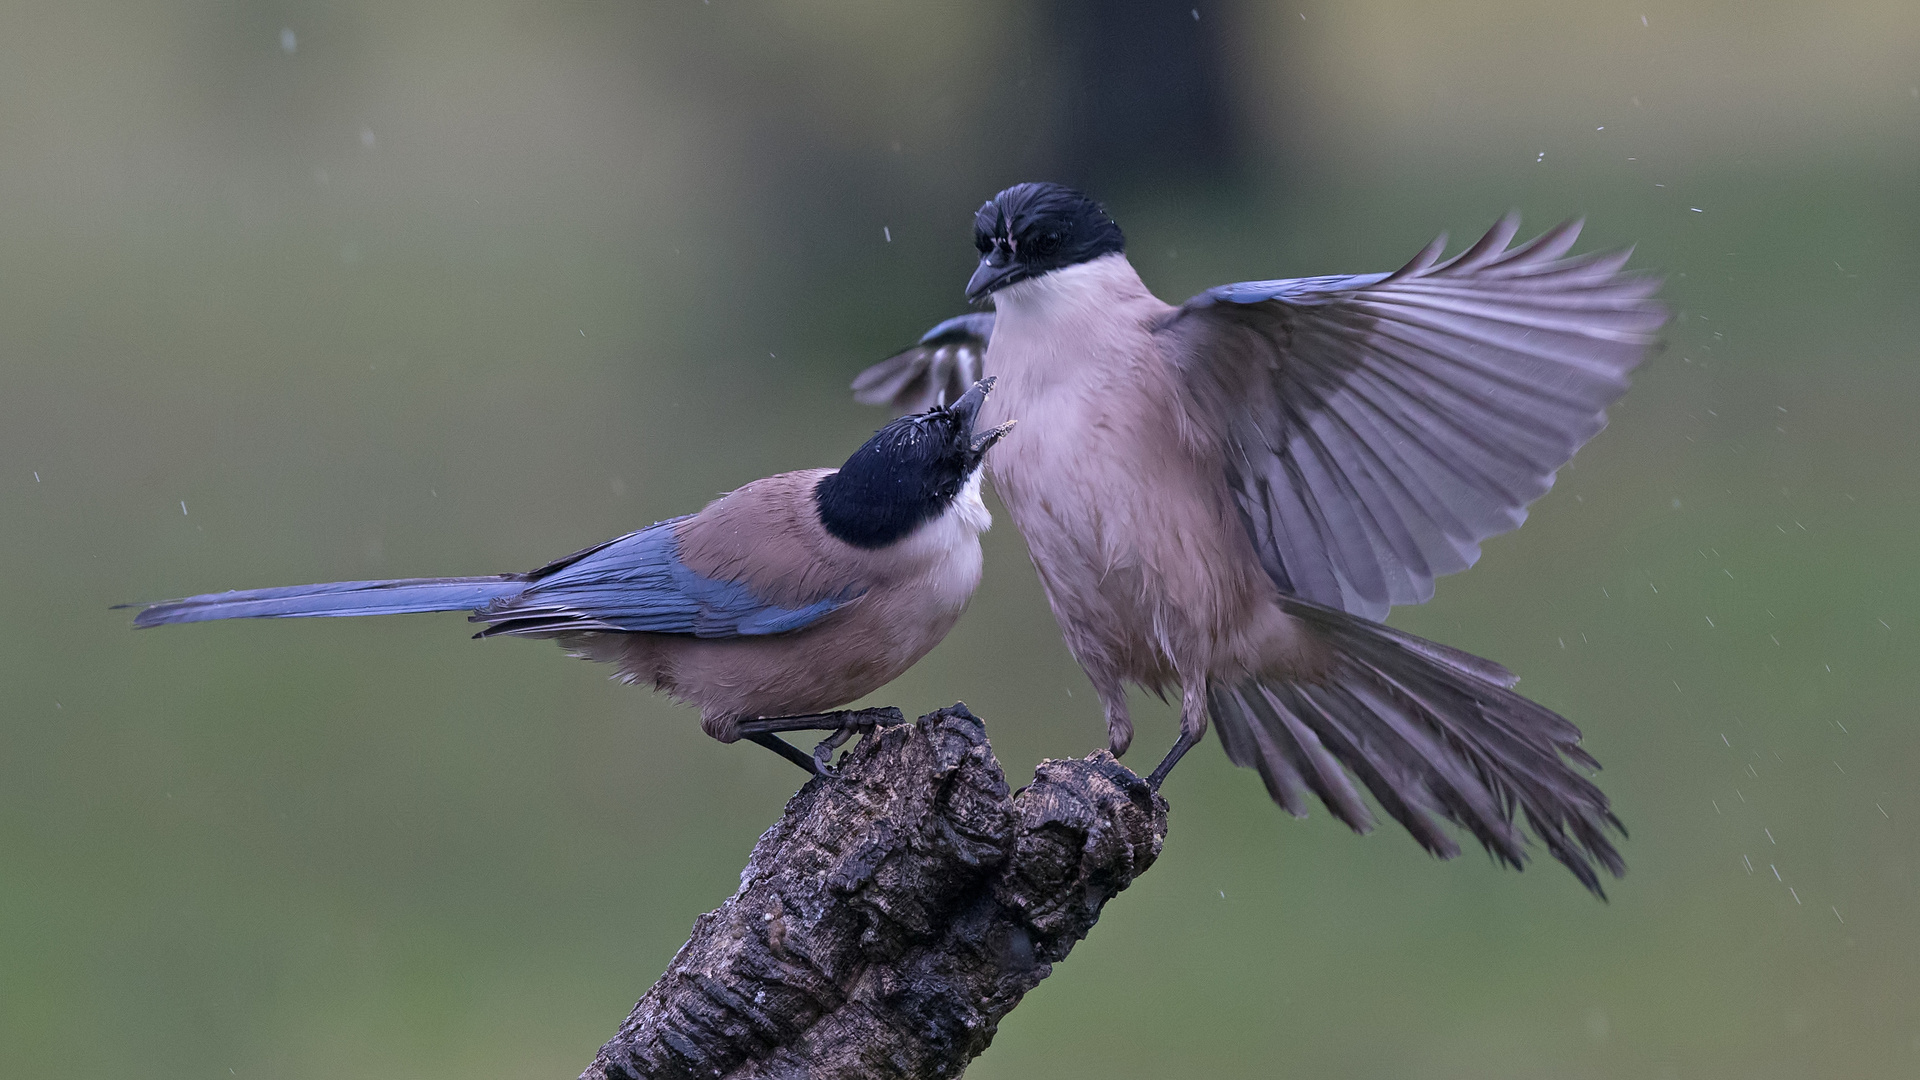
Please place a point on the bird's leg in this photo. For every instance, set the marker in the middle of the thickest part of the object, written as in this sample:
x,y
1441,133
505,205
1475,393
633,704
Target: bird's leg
x,y
858,719
844,723
789,751
1193,725
1113,699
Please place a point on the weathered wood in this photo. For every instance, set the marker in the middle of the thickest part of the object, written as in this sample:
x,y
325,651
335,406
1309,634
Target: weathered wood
x,y
894,914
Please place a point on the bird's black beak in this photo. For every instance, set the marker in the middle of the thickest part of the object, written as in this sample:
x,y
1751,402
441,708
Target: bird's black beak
x,y
981,444
968,408
997,269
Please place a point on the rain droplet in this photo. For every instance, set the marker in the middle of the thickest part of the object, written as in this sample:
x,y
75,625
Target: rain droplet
x,y
287,41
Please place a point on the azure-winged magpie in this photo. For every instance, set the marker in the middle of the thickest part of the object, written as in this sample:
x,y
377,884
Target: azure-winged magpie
x,y
1226,496
784,599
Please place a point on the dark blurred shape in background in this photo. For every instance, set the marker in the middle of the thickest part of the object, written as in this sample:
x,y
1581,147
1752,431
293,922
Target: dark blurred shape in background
x,y
1144,94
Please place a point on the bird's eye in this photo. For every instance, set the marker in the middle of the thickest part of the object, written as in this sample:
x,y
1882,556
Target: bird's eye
x,y
1046,243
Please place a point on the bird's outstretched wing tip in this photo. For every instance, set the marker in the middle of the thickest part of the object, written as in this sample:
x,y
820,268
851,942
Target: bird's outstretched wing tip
x,y
936,368
1422,261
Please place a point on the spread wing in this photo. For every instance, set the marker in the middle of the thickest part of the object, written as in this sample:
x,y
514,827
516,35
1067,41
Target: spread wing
x,y
637,583
1380,426
936,370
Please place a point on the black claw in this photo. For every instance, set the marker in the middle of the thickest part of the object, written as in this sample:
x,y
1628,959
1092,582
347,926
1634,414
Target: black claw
x,y
823,759
863,723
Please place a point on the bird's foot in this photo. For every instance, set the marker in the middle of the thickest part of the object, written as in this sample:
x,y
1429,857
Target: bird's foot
x,y
844,723
860,722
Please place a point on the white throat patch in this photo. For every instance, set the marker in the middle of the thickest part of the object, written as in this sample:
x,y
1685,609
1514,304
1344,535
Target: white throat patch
x,y
967,510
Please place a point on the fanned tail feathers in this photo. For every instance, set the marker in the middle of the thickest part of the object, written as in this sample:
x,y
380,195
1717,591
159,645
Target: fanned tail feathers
x,y
1430,731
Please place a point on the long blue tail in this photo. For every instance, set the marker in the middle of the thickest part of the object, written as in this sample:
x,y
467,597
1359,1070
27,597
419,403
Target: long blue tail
x,y
337,598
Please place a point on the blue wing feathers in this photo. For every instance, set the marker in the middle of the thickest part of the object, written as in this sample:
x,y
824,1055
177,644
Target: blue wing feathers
x,y
638,584
774,620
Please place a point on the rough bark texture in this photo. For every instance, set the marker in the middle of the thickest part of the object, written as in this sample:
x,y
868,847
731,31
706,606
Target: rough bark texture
x,y
894,914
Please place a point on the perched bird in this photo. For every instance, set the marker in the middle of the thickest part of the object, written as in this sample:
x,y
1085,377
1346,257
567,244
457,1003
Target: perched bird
x,y
1224,497
781,600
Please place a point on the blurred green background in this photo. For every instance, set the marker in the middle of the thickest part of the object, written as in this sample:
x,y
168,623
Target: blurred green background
x,y
305,291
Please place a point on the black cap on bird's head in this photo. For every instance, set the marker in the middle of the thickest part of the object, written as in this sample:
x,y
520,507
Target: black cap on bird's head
x,y
1030,229
908,473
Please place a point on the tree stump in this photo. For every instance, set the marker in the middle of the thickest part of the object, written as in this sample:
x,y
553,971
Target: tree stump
x,y
894,914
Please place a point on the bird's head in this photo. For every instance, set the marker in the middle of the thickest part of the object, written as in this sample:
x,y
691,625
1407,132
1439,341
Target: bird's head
x,y
1031,229
912,471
